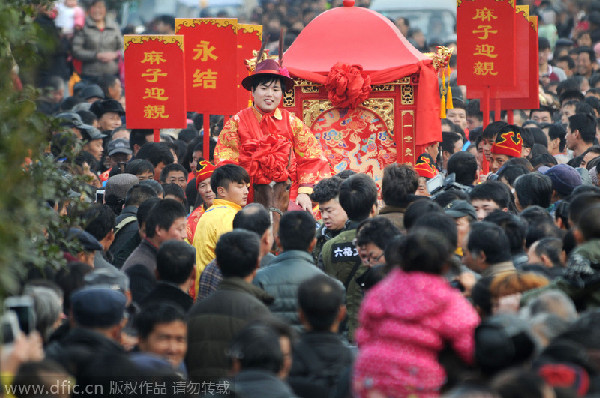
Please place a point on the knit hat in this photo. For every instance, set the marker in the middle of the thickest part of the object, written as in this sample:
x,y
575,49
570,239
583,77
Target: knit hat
x,y
120,145
87,240
119,185
204,170
564,178
460,208
425,167
91,91
101,107
111,278
508,143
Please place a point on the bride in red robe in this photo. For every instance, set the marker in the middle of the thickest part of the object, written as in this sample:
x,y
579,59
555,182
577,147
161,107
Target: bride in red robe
x,y
272,144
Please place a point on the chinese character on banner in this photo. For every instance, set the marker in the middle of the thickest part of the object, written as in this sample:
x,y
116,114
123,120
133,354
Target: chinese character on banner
x,y
486,38
205,79
210,69
154,77
524,94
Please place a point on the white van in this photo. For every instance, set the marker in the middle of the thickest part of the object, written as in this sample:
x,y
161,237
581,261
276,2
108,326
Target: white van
x,y
436,18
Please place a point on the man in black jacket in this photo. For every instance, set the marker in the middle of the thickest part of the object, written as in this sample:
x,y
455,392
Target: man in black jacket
x,y
166,221
127,236
176,273
320,356
214,321
257,359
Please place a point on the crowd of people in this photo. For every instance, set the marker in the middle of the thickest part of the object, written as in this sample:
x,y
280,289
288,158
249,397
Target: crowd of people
x,y
473,273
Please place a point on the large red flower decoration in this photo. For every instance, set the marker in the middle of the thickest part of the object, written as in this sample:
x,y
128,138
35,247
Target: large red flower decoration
x,y
266,159
348,85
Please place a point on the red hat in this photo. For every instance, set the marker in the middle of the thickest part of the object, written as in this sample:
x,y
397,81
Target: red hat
x,y
425,167
204,170
269,67
508,143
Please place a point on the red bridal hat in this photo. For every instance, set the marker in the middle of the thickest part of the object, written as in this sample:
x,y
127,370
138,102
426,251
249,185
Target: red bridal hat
x,y
424,166
204,170
269,67
508,143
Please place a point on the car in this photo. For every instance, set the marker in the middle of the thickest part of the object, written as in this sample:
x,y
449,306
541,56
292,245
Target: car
x,y
435,18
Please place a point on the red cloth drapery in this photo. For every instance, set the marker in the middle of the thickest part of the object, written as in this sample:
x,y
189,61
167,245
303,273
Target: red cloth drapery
x,y
428,123
359,36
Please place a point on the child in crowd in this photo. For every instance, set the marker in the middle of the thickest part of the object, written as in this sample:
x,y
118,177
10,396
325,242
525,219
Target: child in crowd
x,y
70,16
407,318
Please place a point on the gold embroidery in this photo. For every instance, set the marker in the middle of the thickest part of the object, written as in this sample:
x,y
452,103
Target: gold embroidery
x,y
229,142
408,97
387,87
219,22
511,2
383,107
139,39
309,89
247,28
313,108
289,99
302,82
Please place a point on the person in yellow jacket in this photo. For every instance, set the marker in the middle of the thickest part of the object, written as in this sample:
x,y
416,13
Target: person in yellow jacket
x,y
230,184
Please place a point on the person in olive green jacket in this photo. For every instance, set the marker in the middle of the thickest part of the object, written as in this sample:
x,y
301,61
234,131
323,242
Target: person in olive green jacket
x,y
333,218
358,197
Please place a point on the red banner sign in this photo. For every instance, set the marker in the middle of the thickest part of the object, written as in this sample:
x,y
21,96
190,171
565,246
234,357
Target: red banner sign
x,y
249,39
486,39
527,55
210,59
155,82
532,100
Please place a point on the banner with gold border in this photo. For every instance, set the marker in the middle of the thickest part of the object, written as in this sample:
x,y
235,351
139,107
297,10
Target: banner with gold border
x,y
210,64
155,81
486,39
523,52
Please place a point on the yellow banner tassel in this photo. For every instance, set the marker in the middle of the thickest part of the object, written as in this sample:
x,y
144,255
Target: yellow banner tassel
x,y
449,103
443,108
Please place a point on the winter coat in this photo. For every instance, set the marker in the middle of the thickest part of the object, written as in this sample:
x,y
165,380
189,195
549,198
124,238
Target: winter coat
x,y
254,383
214,321
405,321
340,258
140,267
79,348
90,41
127,236
168,292
281,280
319,359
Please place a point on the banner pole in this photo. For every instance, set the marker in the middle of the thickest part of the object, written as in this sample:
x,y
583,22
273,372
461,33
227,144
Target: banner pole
x,y
206,137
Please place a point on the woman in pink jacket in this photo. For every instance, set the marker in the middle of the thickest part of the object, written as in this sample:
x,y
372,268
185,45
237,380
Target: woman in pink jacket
x,y
406,320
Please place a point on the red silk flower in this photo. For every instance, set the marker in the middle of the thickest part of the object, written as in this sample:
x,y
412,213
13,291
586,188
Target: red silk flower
x,y
348,85
266,159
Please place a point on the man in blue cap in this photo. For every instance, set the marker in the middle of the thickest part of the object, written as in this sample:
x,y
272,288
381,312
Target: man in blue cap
x,y
88,246
97,316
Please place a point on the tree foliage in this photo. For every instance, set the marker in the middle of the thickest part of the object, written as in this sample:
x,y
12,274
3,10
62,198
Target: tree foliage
x,y
31,232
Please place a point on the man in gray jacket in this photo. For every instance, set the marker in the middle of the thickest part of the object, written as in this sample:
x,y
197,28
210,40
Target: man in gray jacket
x,y
282,277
